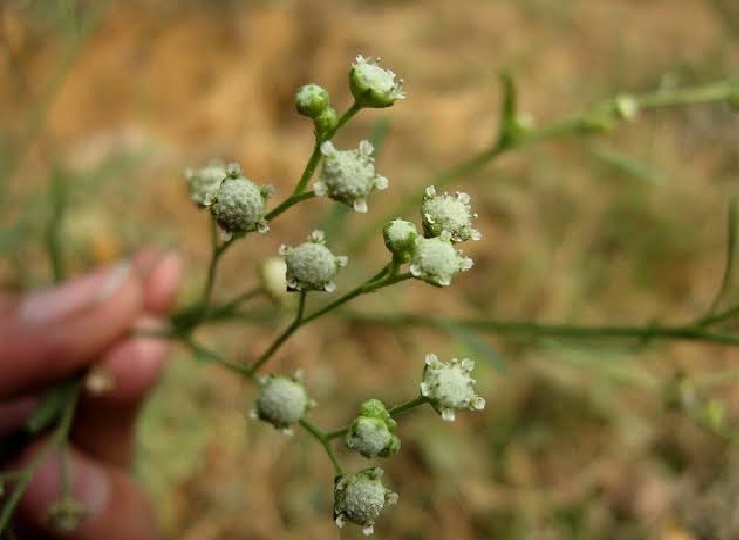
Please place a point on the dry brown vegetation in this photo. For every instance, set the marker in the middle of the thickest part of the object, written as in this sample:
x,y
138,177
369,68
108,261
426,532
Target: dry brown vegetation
x,y
577,440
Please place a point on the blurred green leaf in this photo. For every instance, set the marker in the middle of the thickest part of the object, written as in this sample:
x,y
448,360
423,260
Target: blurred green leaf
x,y
625,164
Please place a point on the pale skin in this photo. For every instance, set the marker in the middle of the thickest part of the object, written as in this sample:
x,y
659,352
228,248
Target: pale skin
x,y
48,336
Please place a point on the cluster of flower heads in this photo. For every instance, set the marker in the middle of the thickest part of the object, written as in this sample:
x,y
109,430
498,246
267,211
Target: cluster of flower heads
x,y
236,203
433,257
238,206
360,497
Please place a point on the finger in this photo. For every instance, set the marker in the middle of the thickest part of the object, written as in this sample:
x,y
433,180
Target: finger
x,y
161,275
105,422
14,413
113,505
55,332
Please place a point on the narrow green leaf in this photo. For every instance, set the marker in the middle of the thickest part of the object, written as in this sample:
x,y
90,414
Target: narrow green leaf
x,y
508,128
477,347
625,163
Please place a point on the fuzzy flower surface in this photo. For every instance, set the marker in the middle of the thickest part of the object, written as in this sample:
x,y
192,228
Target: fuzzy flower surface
x,y
400,239
371,433
360,498
311,266
449,386
241,205
311,100
448,213
348,176
203,183
373,86
437,261
282,401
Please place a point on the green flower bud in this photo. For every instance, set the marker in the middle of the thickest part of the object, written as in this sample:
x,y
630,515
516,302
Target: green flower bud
x,y
311,266
436,261
348,176
67,514
326,122
282,401
371,432
360,498
373,86
400,239
203,183
448,386
240,205
448,213
311,100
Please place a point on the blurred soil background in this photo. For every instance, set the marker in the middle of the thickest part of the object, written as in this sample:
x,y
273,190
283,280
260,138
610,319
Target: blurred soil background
x,y
579,440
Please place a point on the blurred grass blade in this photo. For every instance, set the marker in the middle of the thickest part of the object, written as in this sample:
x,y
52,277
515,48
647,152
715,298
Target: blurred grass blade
x,y
625,164
730,263
477,347
58,202
507,125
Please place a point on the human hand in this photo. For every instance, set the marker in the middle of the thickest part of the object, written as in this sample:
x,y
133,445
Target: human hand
x,y
48,336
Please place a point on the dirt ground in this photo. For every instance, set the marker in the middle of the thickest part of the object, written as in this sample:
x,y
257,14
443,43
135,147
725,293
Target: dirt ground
x,y
578,440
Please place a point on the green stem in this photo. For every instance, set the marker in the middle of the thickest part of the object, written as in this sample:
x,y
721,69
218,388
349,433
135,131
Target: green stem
x,y
719,317
564,331
231,305
570,125
217,251
367,287
315,156
325,442
289,203
395,411
297,322
209,356
24,477
412,404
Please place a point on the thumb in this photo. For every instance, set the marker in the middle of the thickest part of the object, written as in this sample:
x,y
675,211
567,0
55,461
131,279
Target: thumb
x,y
51,334
111,505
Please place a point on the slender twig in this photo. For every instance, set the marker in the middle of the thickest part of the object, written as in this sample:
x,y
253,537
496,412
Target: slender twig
x,y
731,239
325,442
395,411
277,343
315,156
564,331
289,203
25,476
412,404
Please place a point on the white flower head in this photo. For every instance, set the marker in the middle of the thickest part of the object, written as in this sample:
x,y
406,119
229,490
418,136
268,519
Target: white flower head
x,y
448,213
360,498
373,86
449,387
282,401
437,261
311,266
311,100
203,183
370,433
348,176
240,205
400,239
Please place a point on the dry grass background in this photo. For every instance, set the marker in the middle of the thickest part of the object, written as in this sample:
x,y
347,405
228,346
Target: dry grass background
x,y
576,441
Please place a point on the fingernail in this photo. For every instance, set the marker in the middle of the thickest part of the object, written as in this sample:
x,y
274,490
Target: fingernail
x,y
91,486
56,304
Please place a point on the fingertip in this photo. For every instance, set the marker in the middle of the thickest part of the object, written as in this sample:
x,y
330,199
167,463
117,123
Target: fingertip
x,y
111,504
161,274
